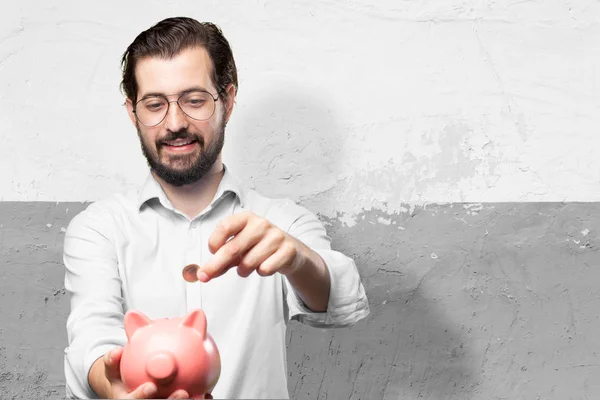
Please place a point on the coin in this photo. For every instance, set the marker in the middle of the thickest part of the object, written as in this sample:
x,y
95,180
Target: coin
x,y
190,272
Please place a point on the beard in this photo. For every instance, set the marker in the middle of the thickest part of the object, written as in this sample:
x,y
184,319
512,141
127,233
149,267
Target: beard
x,y
191,168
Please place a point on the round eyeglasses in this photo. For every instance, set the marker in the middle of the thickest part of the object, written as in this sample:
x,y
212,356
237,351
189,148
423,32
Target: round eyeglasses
x,y
196,104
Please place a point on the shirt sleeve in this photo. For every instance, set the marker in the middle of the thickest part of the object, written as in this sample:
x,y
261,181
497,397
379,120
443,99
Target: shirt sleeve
x,y
348,301
95,323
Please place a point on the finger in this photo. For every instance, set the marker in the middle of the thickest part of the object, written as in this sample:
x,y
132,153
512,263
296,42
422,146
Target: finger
x,y
204,277
230,254
282,258
112,362
244,272
216,266
227,228
145,391
259,253
179,394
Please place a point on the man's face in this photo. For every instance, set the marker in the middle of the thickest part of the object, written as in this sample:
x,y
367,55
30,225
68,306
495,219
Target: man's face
x,y
180,150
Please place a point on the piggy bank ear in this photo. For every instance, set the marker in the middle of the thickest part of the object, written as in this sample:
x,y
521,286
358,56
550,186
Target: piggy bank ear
x,y
135,320
196,320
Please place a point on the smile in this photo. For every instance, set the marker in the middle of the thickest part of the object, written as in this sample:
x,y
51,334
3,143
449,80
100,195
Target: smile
x,y
180,146
180,142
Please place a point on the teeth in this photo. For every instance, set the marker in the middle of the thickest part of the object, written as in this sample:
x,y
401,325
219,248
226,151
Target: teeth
x,y
179,144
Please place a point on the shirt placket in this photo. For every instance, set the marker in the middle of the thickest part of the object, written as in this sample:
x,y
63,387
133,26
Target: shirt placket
x,y
194,250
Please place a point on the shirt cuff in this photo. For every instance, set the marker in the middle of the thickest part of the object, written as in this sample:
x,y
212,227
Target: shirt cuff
x,y
348,302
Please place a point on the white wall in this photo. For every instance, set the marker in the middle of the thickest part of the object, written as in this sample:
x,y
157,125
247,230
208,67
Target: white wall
x,y
344,105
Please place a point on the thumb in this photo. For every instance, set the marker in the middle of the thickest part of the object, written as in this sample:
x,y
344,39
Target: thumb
x,y
145,391
112,363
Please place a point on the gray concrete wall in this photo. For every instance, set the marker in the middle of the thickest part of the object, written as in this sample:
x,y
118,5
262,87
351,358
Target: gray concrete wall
x,y
469,301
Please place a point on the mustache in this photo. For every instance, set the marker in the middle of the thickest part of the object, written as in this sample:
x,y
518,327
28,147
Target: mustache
x,y
181,134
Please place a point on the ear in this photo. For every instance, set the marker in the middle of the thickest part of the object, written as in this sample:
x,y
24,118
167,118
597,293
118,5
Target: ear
x,y
130,112
196,320
230,90
135,320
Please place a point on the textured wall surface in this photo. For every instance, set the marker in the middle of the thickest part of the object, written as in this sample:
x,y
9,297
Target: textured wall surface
x,y
347,105
450,145
492,301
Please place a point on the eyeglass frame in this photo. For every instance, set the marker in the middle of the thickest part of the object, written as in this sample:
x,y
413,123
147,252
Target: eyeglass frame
x,y
164,96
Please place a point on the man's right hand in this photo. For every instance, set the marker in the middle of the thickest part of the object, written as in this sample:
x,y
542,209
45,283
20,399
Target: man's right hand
x,y
105,380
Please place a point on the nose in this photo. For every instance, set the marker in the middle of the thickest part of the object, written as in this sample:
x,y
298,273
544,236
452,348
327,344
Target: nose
x,y
176,118
162,367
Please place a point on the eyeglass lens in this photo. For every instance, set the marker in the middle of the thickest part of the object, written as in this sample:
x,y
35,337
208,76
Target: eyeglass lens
x,y
198,105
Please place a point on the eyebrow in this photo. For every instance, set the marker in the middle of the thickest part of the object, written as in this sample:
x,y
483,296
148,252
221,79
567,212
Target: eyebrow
x,y
192,89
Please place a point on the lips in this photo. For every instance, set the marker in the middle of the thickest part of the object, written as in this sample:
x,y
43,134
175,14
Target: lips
x,y
179,142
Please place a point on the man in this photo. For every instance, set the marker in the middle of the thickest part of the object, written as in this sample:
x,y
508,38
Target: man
x,y
261,262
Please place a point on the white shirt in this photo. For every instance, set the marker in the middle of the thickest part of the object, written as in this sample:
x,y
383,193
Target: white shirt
x,y
128,251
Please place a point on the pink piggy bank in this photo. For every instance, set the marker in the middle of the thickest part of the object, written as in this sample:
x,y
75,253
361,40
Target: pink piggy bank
x,y
174,353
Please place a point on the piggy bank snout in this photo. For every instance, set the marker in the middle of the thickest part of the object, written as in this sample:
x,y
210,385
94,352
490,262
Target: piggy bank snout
x,y
162,367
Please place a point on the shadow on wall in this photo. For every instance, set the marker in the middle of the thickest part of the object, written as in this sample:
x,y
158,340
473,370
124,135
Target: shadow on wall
x,y
286,143
409,347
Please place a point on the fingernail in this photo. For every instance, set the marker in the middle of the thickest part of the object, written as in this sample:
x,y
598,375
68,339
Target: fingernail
x,y
202,276
149,389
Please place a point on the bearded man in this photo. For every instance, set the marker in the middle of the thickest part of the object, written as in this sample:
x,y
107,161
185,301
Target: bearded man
x,y
255,263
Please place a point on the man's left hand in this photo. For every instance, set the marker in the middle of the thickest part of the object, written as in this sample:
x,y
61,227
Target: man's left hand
x,y
251,243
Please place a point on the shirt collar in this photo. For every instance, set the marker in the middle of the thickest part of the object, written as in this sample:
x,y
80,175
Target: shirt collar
x,y
151,189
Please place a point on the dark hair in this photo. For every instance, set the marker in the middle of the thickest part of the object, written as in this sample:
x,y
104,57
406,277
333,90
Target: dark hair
x,y
171,36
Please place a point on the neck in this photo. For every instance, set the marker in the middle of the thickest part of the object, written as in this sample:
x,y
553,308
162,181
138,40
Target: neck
x,y
192,199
